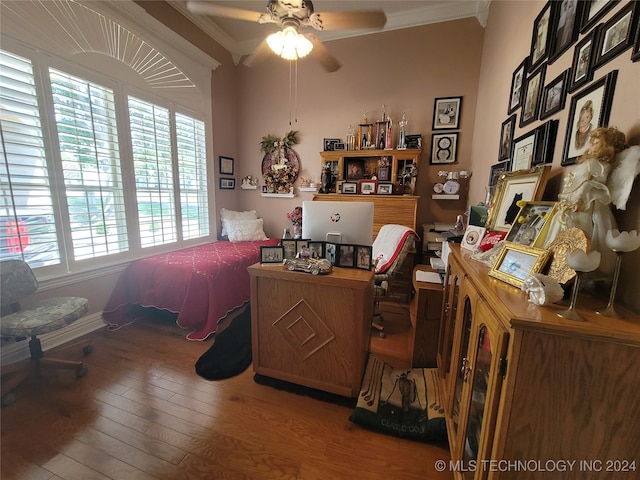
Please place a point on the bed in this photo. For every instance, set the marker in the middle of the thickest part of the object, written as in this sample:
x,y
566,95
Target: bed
x,y
201,284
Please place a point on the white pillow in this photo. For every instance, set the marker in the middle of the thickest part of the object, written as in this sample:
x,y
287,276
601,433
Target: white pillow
x,y
226,215
245,230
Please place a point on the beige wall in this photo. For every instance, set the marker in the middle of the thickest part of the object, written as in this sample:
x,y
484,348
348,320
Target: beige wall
x,y
404,70
507,42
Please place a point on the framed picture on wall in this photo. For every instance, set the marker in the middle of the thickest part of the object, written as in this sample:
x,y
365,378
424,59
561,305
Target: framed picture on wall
x,y
554,95
545,143
506,137
540,36
532,93
566,26
593,11
517,84
582,66
617,34
446,113
523,150
225,165
444,147
635,53
590,109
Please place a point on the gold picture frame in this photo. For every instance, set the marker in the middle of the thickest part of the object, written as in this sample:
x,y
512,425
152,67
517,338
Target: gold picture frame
x,y
532,224
513,187
516,262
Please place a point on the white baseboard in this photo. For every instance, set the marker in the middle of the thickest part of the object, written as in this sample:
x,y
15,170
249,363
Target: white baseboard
x,y
16,352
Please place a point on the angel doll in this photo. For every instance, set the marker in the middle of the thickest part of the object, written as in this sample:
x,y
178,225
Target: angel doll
x,y
603,176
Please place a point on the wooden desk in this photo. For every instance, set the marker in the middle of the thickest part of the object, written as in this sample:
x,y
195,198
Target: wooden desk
x,y
426,308
312,330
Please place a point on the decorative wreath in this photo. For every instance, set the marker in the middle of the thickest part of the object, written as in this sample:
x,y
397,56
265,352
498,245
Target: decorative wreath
x,y
280,165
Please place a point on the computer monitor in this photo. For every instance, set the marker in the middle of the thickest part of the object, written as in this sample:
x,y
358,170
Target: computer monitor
x,y
338,222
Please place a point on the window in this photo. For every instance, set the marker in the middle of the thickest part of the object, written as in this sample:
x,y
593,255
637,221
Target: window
x,y
27,222
88,140
89,210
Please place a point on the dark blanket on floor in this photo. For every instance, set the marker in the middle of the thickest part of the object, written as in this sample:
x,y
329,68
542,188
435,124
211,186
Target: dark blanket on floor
x,y
230,354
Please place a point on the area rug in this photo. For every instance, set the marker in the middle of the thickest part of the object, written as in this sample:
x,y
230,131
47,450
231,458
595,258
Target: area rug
x,y
401,402
230,354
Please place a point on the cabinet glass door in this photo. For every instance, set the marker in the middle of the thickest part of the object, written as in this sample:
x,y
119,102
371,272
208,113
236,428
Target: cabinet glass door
x,y
482,367
448,324
462,364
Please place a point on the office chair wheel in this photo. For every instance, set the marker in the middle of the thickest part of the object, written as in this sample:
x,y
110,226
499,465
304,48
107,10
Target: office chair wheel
x,y
87,350
81,372
8,399
382,335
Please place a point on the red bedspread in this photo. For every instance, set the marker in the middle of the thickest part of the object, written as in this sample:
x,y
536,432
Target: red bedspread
x,y
202,284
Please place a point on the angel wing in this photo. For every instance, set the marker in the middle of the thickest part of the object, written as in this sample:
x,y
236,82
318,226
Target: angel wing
x,y
622,176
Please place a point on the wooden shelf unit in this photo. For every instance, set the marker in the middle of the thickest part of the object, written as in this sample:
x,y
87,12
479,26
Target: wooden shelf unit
x,y
397,159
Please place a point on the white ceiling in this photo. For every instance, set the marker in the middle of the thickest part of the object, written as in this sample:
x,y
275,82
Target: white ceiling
x,y
242,37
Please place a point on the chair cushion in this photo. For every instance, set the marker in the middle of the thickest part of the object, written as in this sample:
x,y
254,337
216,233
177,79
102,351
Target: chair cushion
x,y
389,243
44,317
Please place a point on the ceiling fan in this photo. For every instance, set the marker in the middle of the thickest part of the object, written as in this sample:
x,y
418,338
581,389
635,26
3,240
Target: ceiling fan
x,y
292,15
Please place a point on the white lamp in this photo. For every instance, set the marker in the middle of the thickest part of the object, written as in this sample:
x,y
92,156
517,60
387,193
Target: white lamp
x,y
289,43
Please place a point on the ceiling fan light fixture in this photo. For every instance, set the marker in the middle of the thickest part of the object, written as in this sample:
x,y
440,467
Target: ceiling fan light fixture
x,y
289,44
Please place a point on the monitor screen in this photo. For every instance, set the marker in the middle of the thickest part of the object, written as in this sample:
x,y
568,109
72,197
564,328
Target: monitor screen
x,y
338,222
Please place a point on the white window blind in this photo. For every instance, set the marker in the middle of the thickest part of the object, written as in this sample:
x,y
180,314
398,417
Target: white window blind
x,y
27,221
192,172
87,134
151,142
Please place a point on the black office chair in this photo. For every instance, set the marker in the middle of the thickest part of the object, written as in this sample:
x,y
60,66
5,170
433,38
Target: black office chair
x,y
16,282
390,249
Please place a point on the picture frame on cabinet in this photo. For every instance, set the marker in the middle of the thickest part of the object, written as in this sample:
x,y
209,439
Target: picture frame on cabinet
x,y
446,113
593,11
271,254
349,187
554,95
540,36
330,144
227,183
516,262
385,189
346,255
513,187
566,22
355,169
364,257
289,246
590,109
317,249
413,141
225,165
331,252
506,137
368,187
617,34
517,84
384,173
532,224
444,148
582,65
532,94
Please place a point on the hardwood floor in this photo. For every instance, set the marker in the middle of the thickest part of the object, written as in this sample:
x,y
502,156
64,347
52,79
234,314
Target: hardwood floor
x,y
143,413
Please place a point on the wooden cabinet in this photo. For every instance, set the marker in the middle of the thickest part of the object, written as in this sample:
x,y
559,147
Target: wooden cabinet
x,y
527,387
312,330
389,166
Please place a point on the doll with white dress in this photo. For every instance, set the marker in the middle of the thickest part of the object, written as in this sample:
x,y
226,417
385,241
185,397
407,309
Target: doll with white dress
x,y
603,176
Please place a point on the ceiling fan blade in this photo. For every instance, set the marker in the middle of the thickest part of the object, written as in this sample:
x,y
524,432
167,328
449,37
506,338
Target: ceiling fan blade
x,y
261,53
353,20
322,55
213,10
